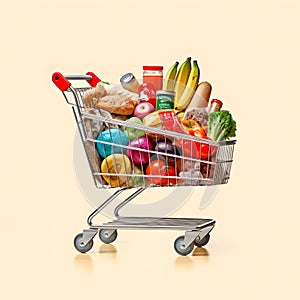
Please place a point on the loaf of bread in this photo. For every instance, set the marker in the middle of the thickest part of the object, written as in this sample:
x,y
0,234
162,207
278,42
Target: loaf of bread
x,y
201,96
119,90
114,99
90,97
116,104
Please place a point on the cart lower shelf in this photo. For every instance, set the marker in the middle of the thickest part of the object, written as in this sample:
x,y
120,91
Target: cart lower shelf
x,y
157,223
196,231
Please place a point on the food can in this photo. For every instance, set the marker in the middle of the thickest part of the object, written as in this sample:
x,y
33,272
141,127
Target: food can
x,y
129,82
215,105
165,99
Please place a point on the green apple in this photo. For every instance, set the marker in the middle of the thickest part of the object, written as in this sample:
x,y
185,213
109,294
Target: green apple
x,y
137,180
133,133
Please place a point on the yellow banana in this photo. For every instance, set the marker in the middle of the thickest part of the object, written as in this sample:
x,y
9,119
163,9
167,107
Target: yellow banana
x,y
169,81
116,165
180,116
190,88
182,78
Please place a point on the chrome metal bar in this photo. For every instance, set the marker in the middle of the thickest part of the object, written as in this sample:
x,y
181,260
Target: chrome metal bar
x,y
78,77
82,134
77,100
127,200
152,129
102,206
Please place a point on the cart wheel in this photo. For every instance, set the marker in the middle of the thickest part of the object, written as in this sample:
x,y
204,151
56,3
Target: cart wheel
x,y
79,247
179,246
202,242
105,238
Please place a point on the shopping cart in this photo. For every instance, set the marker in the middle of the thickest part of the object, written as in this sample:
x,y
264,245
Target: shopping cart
x,y
118,164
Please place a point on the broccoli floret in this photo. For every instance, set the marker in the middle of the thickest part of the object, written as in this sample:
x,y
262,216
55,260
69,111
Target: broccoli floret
x,y
221,125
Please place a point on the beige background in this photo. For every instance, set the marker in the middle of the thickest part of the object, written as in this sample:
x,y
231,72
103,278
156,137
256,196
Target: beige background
x,y
249,51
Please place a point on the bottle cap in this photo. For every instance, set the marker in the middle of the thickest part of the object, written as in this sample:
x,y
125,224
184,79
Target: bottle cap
x,y
126,78
217,101
153,68
165,92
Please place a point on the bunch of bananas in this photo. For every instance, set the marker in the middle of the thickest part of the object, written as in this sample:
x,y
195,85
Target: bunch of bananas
x,y
184,82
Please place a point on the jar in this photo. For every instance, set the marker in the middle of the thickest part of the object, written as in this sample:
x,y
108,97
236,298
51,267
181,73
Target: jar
x,y
215,105
129,82
153,75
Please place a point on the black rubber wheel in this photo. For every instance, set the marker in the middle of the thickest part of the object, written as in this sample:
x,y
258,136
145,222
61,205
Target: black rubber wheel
x,y
105,238
79,247
179,246
202,242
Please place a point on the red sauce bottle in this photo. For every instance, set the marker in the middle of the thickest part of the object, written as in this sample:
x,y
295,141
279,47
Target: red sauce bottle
x,y
215,105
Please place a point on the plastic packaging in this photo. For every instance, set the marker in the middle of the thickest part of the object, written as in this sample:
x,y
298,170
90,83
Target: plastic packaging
x,y
147,93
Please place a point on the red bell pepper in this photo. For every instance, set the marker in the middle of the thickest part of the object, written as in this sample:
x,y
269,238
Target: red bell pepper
x,y
198,150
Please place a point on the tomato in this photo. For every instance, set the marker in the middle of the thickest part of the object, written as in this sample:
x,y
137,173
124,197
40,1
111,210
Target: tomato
x,y
191,149
198,150
160,168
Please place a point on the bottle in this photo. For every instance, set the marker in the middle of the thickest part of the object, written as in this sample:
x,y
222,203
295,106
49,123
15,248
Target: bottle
x,y
153,75
129,82
215,105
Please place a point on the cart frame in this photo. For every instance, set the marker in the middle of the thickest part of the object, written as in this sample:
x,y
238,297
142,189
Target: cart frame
x,y
196,230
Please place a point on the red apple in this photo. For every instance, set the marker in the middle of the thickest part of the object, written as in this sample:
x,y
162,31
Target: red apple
x,y
142,109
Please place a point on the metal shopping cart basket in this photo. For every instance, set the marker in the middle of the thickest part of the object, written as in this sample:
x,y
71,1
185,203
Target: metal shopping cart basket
x,y
120,164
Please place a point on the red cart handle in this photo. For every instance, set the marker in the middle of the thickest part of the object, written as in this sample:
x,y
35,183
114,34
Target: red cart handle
x,y
93,82
63,83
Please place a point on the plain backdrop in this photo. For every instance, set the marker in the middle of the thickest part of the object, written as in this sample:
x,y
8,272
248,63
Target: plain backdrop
x,y
248,51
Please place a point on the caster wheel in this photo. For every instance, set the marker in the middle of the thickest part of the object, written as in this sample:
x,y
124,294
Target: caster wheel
x,y
203,242
106,238
180,248
78,244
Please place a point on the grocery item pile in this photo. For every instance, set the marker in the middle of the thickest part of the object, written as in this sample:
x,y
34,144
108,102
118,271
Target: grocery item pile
x,y
160,131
